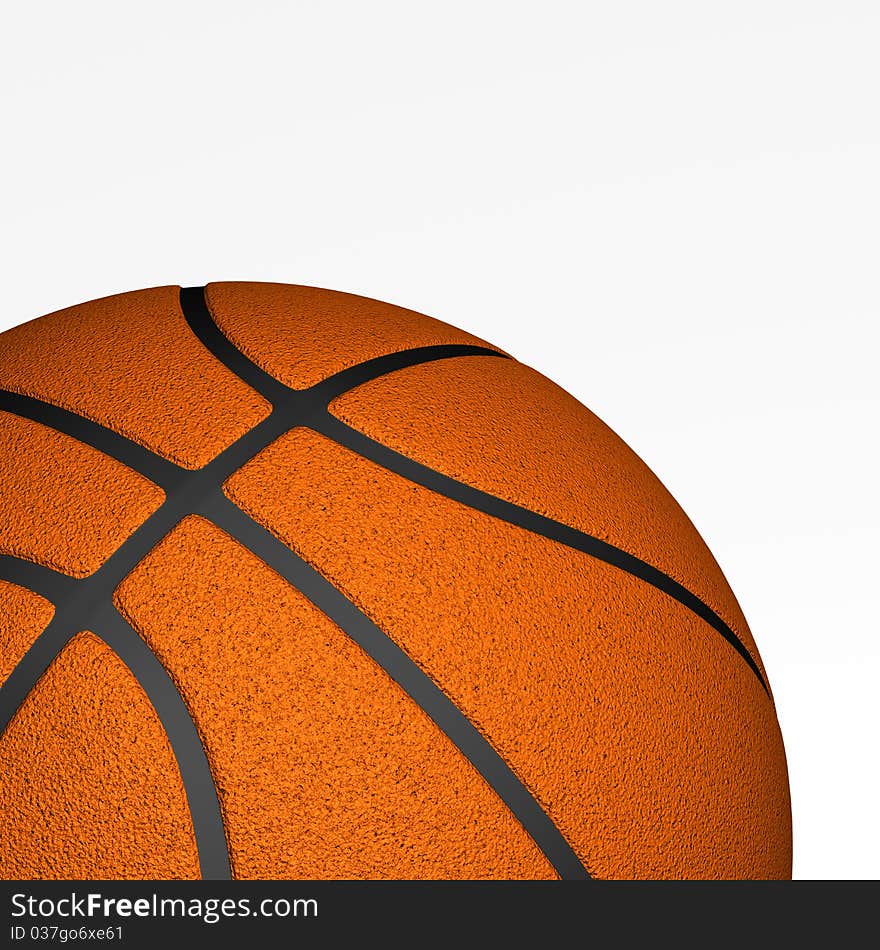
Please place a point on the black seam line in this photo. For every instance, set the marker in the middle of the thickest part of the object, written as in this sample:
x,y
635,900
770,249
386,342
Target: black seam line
x,y
32,666
152,466
45,581
108,624
407,674
82,603
79,601
344,435
86,604
192,761
201,322
199,317
298,407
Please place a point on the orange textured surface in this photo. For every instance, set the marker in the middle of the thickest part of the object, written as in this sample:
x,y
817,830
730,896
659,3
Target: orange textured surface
x,y
303,334
89,785
645,736
500,426
640,731
66,505
324,766
131,363
23,617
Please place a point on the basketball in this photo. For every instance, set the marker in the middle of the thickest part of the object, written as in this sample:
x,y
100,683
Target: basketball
x,y
295,584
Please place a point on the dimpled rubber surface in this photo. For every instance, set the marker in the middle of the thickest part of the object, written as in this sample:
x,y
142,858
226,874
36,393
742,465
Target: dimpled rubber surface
x,y
131,363
651,745
502,427
23,615
627,715
303,334
96,794
325,767
66,505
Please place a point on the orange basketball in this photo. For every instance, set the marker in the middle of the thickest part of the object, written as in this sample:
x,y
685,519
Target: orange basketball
x,y
297,584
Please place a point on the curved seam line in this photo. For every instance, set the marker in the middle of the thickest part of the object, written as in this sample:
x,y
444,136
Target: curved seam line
x,y
198,315
196,775
134,456
41,579
167,475
30,668
160,690
475,499
403,670
197,312
175,480
94,604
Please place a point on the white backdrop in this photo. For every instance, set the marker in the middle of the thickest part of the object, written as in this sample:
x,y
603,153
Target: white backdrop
x,y
671,209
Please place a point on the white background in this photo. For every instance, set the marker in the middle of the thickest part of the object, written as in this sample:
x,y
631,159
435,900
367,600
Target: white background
x,y
672,209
